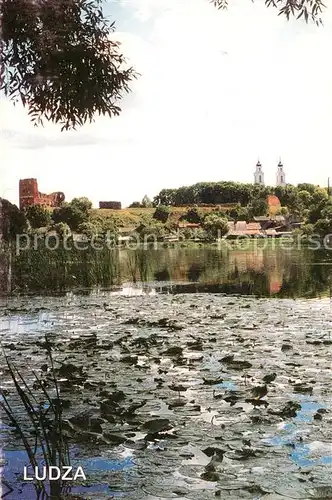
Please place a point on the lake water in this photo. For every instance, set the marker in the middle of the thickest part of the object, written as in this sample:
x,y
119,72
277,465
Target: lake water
x,y
262,271
128,328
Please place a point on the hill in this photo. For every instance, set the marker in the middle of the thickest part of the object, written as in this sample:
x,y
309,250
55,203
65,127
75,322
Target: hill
x,y
134,216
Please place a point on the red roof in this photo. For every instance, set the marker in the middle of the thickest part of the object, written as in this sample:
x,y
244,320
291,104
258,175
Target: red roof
x,y
273,201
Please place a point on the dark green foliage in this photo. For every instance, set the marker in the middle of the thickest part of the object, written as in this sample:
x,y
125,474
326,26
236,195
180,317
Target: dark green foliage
x,y
238,213
12,220
161,213
304,186
151,231
215,225
70,215
38,216
305,198
74,214
62,229
58,60
83,203
211,193
193,215
135,204
257,207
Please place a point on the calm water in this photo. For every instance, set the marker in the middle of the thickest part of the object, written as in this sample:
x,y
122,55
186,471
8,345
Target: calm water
x,y
216,323
266,272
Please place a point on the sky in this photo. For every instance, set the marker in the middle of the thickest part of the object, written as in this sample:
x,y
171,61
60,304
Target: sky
x,y
217,91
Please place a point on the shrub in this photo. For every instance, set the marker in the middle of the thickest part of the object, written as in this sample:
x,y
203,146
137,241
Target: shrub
x,y
38,216
193,215
162,213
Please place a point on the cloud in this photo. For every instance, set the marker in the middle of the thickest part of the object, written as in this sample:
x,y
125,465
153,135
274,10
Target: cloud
x,y
217,90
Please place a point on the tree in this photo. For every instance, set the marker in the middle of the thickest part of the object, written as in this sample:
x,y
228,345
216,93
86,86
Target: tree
x,y
135,204
38,216
146,202
12,220
89,229
215,226
258,207
308,9
165,197
161,213
284,211
58,60
305,197
304,186
151,230
319,196
70,214
193,215
239,213
62,229
83,203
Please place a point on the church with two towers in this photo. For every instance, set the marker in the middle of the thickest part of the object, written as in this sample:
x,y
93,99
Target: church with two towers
x,y
280,176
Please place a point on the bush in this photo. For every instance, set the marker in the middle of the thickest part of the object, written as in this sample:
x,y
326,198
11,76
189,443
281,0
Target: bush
x,y
38,216
62,229
155,230
162,213
14,220
215,226
258,207
89,229
74,214
83,203
193,215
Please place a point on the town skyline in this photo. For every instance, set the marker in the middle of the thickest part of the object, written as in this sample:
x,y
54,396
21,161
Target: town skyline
x,y
29,192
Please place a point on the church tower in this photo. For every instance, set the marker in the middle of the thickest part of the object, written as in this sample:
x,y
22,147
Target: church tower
x,y
281,179
259,175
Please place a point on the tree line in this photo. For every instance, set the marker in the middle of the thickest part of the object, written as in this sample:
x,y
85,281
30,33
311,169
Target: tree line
x,y
228,192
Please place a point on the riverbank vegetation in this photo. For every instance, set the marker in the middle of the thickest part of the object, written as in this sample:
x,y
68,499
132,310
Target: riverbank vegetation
x,y
199,212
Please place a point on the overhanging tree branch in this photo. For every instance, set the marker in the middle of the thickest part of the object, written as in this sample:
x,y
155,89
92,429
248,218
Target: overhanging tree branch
x,y
59,61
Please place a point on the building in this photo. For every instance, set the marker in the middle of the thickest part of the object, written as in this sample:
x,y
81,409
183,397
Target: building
x,y
30,195
281,179
114,205
245,229
259,174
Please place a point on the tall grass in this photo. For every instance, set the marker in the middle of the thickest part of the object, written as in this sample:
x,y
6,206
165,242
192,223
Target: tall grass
x,y
45,443
62,269
138,264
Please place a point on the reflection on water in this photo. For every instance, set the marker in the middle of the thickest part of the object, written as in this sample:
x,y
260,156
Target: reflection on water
x,y
303,454
260,271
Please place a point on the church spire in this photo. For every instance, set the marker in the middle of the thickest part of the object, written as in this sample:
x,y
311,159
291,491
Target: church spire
x,y
259,174
281,178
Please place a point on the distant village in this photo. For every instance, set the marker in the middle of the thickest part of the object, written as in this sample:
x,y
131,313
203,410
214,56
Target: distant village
x,y
273,224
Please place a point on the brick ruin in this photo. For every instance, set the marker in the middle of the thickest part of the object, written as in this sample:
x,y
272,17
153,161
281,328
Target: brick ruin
x,y
30,195
115,205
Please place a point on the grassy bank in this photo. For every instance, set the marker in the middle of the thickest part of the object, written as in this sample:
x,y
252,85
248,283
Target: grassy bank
x,y
134,216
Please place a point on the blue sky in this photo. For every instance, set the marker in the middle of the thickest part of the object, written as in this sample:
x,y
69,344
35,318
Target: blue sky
x,y
218,90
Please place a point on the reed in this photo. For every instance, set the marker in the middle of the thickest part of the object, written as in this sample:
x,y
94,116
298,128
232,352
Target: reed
x,y
46,441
